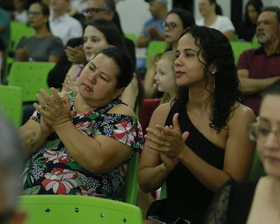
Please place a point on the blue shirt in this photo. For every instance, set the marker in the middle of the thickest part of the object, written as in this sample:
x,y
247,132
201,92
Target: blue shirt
x,y
153,22
5,21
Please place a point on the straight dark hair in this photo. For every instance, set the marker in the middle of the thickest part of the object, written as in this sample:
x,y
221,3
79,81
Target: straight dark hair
x,y
45,10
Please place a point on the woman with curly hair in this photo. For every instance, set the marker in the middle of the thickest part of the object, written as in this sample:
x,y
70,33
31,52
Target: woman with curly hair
x,y
199,141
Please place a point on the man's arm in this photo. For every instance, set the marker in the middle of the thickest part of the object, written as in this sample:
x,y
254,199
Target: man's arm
x,y
143,41
251,86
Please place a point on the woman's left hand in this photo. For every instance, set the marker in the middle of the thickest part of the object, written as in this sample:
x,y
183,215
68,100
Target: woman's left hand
x,y
169,141
54,109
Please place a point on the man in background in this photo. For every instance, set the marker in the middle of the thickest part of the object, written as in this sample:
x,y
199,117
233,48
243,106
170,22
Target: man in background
x,y
62,25
258,68
152,29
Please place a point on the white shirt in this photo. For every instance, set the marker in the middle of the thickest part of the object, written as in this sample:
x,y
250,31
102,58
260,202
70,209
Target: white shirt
x,y
66,27
222,23
21,17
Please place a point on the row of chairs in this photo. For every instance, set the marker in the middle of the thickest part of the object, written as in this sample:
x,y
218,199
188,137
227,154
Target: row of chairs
x,y
157,47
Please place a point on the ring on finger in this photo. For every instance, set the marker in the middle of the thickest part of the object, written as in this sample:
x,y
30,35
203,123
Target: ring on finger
x,y
161,143
45,107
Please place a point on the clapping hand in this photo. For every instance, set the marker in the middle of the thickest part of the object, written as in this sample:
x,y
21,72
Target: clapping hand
x,y
54,110
168,141
22,54
75,55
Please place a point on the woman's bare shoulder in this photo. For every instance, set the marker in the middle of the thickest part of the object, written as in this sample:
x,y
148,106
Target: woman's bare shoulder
x,y
242,113
122,109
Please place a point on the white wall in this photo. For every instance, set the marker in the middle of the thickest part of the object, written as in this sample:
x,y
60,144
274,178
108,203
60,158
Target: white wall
x,y
133,14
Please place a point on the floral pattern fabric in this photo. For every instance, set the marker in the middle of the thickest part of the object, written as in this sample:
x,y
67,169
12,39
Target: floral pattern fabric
x,y
52,170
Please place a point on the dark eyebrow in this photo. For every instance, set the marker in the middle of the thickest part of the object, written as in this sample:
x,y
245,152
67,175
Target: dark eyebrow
x,y
189,49
264,119
96,68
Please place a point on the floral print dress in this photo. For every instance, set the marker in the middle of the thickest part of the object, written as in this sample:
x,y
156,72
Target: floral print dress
x,y
52,170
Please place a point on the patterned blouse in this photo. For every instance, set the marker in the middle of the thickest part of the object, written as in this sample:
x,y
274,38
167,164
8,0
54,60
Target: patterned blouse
x,y
52,170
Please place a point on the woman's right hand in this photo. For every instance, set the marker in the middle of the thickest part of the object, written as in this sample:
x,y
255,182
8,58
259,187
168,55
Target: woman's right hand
x,y
22,54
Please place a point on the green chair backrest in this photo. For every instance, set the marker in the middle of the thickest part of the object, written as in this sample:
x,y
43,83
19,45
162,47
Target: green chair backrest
x,y
131,36
155,47
131,181
46,209
11,103
255,43
31,77
18,30
163,191
235,37
238,48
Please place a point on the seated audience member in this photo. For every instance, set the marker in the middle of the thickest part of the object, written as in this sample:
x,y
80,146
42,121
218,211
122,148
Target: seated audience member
x,y
91,157
101,33
198,142
20,14
74,53
152,29
212,17
5,26
42,46
258,68
255,201
62,25
177,21
247,28
11,165
165,77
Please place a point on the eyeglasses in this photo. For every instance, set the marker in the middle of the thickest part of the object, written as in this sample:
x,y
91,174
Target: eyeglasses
x,y
93,11
29,13
168,26
260,132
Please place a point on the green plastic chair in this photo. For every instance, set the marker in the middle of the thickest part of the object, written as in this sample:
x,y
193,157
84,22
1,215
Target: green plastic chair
x,y
255,43
155,47
238,48
131,181
131,36
31,77
11,103
46,209
18,30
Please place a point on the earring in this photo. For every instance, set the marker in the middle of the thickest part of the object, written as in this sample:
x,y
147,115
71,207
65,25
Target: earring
x,y
213,73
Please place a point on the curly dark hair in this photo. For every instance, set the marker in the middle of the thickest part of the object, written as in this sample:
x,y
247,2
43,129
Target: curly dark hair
x,y
215,50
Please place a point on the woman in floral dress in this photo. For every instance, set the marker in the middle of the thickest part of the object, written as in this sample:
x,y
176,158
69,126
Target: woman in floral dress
x,y
80,143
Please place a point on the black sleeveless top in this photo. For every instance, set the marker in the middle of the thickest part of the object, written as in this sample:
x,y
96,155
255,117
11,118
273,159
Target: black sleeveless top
x,y
187,197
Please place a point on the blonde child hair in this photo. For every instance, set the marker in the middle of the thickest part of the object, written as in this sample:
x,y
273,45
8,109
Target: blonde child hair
x,y
171,57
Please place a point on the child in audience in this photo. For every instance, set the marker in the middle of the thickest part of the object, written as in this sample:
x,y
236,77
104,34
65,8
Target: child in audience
x,y
165,77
